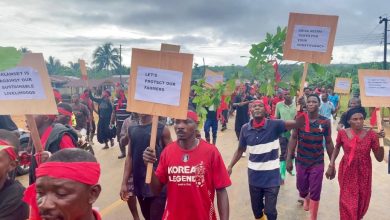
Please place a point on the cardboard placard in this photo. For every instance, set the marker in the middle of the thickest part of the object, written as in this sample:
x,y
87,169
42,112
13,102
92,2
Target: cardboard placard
x,y
83,69
154,78
213,78
310,38
374,87
170,48
26,89
342,85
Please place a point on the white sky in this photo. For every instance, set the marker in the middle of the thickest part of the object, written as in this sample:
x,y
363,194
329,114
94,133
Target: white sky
x,y
219,31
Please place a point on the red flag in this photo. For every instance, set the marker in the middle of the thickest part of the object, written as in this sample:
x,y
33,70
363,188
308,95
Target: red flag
x,y
278,77
373,120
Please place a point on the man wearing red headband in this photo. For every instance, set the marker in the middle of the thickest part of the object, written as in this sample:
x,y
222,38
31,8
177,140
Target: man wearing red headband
x,y
261,137
119,115
67,185
54,137
193,170
11,191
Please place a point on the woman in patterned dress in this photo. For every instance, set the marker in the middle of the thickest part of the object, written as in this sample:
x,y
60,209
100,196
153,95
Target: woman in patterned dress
x,y
355,169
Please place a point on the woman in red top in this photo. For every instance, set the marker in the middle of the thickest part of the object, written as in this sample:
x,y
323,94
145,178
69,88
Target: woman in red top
x,y
355,169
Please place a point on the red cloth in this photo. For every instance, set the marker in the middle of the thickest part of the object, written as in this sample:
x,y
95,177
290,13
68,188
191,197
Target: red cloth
x,y
373,119
5,146
192,115
307,121
63,111
256,124
192,176
122,98
278,77
355,179
66,141
57,95
83,172
223,106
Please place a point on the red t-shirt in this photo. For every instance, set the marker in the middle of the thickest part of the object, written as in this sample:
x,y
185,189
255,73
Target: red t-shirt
x,y
192,176
66,141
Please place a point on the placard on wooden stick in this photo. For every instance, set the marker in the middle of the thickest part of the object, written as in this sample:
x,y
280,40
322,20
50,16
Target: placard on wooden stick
x,y
310,38
342,85
83,69
160,83
374,87
26,89
213,78
170,48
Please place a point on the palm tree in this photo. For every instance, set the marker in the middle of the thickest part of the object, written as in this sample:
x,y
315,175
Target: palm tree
x,y
106,57
74,66
53,65
24,50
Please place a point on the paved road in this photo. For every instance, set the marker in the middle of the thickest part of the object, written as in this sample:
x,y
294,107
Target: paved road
x,y
112,207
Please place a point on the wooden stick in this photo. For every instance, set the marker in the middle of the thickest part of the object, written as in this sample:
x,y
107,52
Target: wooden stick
x,y
34,134
153,135
379,124
303,79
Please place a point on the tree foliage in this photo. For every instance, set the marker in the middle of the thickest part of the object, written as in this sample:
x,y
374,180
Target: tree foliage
x,y
207,96
263,55
106,57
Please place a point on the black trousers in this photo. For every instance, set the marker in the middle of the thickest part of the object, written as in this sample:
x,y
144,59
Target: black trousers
x,y
152,208
264,198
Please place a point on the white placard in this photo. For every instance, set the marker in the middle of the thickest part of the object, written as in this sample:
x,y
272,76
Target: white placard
x,y
377,86
21,83
212,80
310,38
343,84
158,86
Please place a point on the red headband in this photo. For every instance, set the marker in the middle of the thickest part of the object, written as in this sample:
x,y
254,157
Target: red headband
x,y
4,145
57,95
64,112
256,102
83,172
193,116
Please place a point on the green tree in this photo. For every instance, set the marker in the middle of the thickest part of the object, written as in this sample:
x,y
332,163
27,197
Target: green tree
x,y
106,57
74,66
263,55
53,65
24,50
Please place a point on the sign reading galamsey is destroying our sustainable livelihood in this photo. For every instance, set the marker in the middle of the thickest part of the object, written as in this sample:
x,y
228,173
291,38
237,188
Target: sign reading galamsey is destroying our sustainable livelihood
x,y
158,85
21,83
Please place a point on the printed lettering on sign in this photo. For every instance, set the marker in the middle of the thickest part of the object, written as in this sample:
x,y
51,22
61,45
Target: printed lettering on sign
x,y
158,86
310,38
21,83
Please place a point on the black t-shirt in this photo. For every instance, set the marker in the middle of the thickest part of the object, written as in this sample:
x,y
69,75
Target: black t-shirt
x,y
140,140
11,205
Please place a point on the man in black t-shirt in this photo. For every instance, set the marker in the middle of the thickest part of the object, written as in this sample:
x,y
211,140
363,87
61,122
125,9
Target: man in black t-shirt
x,y
152,207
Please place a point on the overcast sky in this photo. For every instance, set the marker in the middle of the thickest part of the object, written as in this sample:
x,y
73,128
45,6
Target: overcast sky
x,y
221,31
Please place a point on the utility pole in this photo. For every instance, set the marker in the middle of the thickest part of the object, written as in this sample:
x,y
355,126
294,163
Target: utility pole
x,y
120,63
385,41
